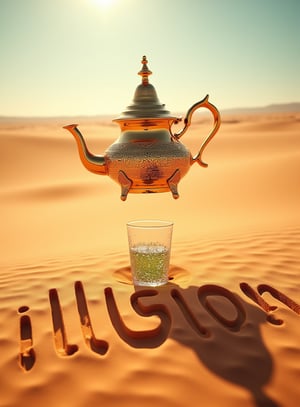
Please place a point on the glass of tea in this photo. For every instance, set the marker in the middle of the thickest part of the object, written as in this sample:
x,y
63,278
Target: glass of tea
x,y
149,248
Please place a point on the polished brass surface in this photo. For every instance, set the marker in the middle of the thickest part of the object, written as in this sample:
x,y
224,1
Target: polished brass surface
x,y
147,157
145,102
188,119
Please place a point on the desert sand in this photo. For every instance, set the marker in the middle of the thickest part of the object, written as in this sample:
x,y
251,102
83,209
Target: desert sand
x,y
225,330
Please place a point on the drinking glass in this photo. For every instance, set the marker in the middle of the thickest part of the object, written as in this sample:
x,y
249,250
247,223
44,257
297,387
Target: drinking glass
x,y
149,248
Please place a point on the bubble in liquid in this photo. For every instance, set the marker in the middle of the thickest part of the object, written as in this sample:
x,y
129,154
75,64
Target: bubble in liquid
x,y
150,264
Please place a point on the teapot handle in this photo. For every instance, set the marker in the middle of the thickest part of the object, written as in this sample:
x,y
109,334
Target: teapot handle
x,y
187,121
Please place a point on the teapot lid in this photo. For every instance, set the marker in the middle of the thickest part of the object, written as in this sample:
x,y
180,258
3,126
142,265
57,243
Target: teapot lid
x,y
145,102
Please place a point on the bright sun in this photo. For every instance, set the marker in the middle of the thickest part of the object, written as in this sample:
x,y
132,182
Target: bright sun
x,y
104,3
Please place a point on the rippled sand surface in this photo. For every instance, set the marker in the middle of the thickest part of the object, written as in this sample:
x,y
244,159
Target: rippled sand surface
x,y
223,332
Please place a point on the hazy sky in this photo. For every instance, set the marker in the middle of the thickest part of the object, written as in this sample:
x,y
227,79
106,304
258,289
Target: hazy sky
x,y
72,57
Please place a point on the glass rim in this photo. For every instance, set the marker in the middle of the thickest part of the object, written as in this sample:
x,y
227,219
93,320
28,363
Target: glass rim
x,y
149,223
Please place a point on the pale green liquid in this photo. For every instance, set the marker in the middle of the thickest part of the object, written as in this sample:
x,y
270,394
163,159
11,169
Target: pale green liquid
x,y
150,264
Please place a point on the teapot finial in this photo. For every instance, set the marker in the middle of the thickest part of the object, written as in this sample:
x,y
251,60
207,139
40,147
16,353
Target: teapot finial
x,y
145,72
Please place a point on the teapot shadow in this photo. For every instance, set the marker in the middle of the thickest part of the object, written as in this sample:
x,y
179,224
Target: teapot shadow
x,y
220,327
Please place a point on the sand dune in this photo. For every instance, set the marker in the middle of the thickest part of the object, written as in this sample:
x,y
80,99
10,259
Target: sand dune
x,y
223,332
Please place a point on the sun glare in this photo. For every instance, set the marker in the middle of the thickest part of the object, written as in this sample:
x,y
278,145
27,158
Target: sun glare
x,y
104,3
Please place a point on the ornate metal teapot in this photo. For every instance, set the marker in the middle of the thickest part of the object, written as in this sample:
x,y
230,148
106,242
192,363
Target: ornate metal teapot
x,y
148,156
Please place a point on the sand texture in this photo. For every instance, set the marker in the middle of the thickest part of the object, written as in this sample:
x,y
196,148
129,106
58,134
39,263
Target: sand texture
x,y
225,330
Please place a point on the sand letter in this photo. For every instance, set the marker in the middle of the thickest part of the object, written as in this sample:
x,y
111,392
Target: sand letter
x,y
188,314
60,338
151,338
96,345
263,288
213,290
27,353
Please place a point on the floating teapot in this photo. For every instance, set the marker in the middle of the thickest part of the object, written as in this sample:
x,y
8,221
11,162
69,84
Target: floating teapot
x,y
148,156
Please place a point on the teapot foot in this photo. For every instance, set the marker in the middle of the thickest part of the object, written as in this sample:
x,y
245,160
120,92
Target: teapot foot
x,y
125,183
173,183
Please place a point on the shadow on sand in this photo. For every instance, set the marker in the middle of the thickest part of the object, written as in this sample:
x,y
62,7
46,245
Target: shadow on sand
x,y
224,330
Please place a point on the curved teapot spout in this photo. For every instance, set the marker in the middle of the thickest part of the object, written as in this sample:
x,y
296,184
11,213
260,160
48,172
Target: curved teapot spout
x,y
93,163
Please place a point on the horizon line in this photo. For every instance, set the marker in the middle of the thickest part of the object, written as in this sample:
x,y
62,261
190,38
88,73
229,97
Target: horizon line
x,y
275,107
